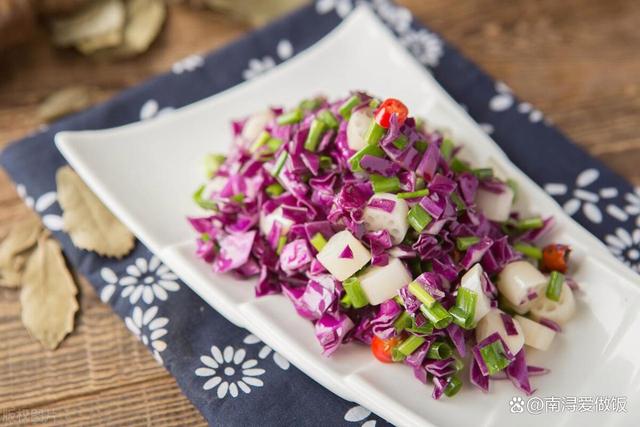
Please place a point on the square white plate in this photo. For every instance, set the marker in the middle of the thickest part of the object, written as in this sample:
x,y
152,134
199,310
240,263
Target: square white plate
x,y
146,172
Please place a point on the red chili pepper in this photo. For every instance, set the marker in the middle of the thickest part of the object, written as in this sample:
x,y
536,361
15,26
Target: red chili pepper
x,y
382,348
555,257
389,107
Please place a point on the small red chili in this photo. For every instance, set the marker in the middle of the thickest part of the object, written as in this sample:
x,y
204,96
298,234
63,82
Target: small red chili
x,y
555,257
389,107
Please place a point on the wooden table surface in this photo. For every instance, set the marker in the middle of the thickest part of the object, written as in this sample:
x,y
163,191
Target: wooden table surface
x,y
576,60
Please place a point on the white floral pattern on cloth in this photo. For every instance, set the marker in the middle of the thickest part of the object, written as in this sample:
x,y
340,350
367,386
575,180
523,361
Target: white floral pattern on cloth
x,y
188,64
358,414
398,18
151,109
228,372
146,279
257,66
42,205
625,246
149,329
265,351
503,100
586,195
342,7
426,46
633,206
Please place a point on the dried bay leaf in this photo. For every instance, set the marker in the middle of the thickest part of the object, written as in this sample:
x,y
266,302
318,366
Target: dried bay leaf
x,y
68,100
143,24
89,223
15,249
94,20
48,295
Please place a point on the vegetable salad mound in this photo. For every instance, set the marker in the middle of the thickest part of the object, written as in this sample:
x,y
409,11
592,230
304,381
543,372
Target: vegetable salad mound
x,y
378,232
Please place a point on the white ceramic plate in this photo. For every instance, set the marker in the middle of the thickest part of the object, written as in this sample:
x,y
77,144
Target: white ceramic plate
x,y
146,173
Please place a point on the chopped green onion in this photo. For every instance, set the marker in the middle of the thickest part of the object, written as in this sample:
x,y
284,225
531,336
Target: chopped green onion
x,y
328,119
437,315
289,118
420,183
494,357
530,223
238,197
345,301
464,311
311,104
458,166
418,218
349,104
273,144
274,190
383,184
422,294
528,250
554,288
439,350
374,103
483,173
400,142
315,133
413,194
277,167
281,242
463,243
371,150
203,203
398,300
318,241
453,386
410,345
374,133
457,200
458,364
446,148
356,294
212,163
425,329
396,356
205,237
421,146
260,141
403,322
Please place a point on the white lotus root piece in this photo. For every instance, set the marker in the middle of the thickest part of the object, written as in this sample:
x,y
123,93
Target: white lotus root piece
x,y
395,222
520,283
492,323
536,335
557,311
266,222
495,206
380,283
255,124
343,268
473,280
357,127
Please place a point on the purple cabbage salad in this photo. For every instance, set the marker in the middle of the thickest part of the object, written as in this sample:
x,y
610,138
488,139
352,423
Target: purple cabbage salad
x,y
378,231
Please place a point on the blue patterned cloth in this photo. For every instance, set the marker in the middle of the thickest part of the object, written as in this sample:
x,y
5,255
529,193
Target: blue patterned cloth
x,y
228,374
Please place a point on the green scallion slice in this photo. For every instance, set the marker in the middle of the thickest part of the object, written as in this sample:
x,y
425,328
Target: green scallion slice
x,y
463,243
356,294
289,118
383,184
530,223
418,218
437,315
410,345
374,133
439,350
371,150
465,309
403,322
318,241
260,141
349,104
453,386
458,166
328,119
413,194
446,148
494,357
422,294
203,203
281,242
528,250
315,133
554,288
277,167
212,163
274,190
483,173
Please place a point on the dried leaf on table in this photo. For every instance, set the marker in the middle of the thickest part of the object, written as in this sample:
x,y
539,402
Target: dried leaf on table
x,y
143,24
48,295
89,223
255,12
95,20
66,101
15,249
